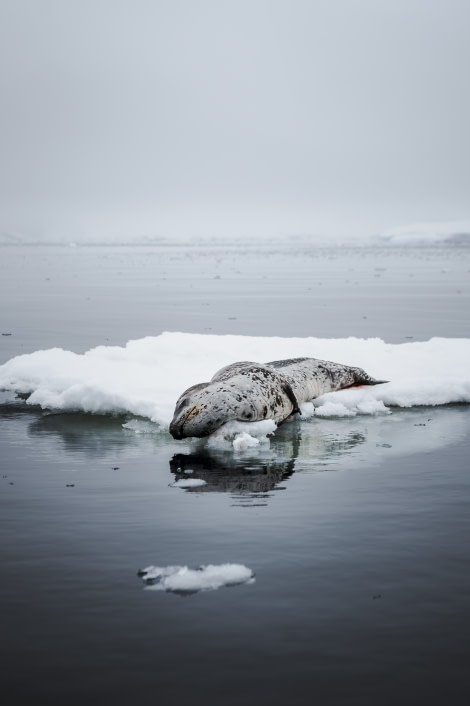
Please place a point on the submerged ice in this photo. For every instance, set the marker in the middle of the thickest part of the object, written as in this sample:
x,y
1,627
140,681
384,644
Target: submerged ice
x,y
145,377
188,483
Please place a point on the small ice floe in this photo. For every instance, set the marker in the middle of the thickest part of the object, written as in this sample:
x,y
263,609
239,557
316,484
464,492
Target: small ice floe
x,y
188,483
182,579
241,435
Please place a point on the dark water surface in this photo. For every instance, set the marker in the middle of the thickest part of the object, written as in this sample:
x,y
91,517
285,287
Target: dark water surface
x,y
357,529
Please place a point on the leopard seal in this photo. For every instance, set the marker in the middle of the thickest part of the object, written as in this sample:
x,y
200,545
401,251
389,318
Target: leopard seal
x,y
250,392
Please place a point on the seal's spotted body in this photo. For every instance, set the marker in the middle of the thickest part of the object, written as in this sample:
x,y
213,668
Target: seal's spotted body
x,y
250,392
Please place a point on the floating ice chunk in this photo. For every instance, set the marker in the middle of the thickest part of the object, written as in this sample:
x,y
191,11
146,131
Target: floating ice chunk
x,y
241,435
244,441
188,482
182,579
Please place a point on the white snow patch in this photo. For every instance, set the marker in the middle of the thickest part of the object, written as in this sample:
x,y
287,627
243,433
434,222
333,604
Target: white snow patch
x,y
241,435
244,441
334,409
307,410
182,579
355,401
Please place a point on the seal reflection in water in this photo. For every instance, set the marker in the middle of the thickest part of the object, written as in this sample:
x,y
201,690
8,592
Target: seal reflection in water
x,y
251,392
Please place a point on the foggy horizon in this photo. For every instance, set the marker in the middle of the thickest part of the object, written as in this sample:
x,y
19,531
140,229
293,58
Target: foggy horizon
x,y
223,119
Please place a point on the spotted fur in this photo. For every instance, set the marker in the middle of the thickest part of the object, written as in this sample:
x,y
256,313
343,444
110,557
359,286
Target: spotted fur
x,y
250,392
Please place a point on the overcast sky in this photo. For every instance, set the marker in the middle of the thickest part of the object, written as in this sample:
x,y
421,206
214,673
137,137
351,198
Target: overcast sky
x,y
226,117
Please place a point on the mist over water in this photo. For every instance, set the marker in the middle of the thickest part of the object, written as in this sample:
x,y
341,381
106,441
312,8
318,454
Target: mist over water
x,y
179,119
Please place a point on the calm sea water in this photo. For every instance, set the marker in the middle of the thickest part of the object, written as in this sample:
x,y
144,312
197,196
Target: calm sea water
x,y
357,529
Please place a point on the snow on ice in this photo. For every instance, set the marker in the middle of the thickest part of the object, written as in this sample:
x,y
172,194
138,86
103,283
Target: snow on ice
x,y
145,377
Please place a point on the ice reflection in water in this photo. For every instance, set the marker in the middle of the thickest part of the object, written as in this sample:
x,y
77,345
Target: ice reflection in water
x,y
248,480
252,476
320,445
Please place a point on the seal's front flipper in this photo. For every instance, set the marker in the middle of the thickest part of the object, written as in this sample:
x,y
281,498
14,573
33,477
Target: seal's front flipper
x,y
291,395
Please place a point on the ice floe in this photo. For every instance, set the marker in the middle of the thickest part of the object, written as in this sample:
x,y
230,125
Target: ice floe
x,y
144,378
182,579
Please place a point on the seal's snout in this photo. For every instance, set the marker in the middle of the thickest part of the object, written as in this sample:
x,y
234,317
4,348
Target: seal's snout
x,y
179,420
176,430
176,426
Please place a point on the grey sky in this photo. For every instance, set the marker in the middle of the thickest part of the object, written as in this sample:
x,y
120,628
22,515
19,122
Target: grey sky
x,y
233,117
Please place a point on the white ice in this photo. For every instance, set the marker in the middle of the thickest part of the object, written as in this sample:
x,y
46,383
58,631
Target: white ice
x,y
428,233
241,435
182,579
145,377
188,483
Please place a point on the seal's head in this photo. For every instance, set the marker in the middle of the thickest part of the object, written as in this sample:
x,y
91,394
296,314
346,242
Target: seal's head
x,y
203,408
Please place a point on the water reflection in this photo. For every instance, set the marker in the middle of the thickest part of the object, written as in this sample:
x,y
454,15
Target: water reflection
x,y
320,445
251,476
92,435
319,441
248,480
13,408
